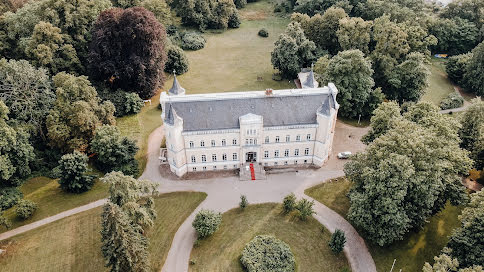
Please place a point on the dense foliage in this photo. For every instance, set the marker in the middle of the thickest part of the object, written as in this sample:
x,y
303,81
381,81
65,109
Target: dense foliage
x,y
192,41
207,14
452,101
76,114
305,209
337,241
176,61
445,263
472,132
25,208
128,51
456,67
114,152
265,253
381,120
125,103
289,203
206,223
406,174
73,173
455,36
474,74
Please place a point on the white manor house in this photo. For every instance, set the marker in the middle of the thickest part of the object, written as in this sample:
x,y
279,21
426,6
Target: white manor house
x,y
221,131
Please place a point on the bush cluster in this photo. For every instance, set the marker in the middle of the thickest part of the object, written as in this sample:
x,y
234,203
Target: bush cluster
x,y
192,41
265,253
305,208
206,223
456,66
132,103
25,209
263,33
452,101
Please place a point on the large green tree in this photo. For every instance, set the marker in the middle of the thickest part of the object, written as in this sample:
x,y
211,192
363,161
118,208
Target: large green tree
x,y
207,14
354,33
474,76
456,67
292,51
76,114
352,75
446,263
381,120
472,131
73,175
407,174
455,36
128,50
471,10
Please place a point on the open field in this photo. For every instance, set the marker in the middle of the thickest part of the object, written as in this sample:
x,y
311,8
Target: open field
x,y
73,243
439,85
52,200
414,250
221,251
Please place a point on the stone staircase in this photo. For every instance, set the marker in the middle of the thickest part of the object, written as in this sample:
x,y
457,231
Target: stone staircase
x,y
252,171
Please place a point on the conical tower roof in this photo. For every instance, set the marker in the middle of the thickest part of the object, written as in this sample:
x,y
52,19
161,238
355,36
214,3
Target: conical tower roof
x,y
311,81
176,89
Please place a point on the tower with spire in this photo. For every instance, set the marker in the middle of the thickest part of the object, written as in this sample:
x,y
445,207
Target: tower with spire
x,y
307,79
175,90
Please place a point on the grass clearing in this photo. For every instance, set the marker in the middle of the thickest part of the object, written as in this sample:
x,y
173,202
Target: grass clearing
x,y
73,243
439,85
414,250
222,250
52,200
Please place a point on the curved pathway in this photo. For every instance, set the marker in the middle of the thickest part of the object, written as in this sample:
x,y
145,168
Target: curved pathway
x,y
224,194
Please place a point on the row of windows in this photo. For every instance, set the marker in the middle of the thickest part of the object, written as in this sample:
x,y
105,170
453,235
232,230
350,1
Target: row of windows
x,y
286,153
285,163
249,141
204,168
214,158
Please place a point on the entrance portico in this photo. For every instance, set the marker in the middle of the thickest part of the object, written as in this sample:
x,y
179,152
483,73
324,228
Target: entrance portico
x,y
251,156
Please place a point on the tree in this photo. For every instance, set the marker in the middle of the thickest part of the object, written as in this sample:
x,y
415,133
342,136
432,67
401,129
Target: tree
x,y
408,80
352,75
471,10
128,50
418,38
466,241
354,33
456,67
243,202
292,51
47,48
25,208
177,60
16,155
381,120
240,3
289,203
76,114
338,241
5,222
160,9
126,189
207,14
206,223
455,36
73,173
305,209
28,94
395,182
472,131
114,152
474,75
265,253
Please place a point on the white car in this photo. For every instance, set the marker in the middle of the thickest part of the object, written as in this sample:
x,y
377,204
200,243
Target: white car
x,y
344,155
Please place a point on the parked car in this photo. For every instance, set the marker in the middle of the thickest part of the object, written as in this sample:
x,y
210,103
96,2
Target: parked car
x,y
344,155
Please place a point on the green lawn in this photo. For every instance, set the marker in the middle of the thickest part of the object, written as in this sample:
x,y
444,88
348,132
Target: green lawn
x,y
414,250
221,251
73,243
52,200
439,85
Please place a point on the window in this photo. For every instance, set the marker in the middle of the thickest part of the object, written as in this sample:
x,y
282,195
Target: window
x,y
191,144
214,157
308,137
248,132
296,152
235,166
202,143
194,159
266,154
171,146
255,141
267,140
295,162
305,161
266,164
234,142
214,167
275,163
224,157
213,142
234,156
276,154
286,153
194,169
223,142
298,138
246,141
204,158
251,141
285,163
204,168
288,138
277,139
306,151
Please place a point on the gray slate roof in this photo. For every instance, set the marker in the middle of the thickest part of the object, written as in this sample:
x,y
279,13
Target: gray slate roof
x,y
310,80
224,114
176,88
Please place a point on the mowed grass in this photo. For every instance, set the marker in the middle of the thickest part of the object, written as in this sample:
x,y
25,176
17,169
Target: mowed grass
x,y
222,250
237,59
73,243
414,250
439,85
52,200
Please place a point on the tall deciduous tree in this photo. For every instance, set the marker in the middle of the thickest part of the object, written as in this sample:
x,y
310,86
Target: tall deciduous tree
x,y
474,75
352,75
456,67
472,131
406,175
77,113
292,51
455,36
381,120
128,50
354,33
207,14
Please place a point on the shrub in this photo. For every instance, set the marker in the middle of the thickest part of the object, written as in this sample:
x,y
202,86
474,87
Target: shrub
x,y
452,101
192,41
176,61
25,208
305,208
337,242
5,222
265,253
263,33
243,202
132,103
456,67
9,196
73,177
234,20
289,203
240,3
206,223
